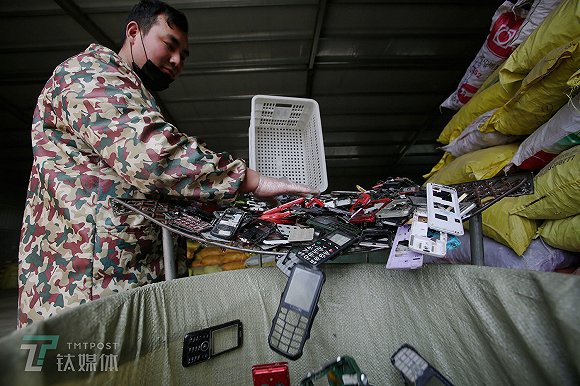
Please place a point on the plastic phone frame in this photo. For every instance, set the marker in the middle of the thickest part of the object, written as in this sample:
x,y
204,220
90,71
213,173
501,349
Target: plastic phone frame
x,y
438,216
418,238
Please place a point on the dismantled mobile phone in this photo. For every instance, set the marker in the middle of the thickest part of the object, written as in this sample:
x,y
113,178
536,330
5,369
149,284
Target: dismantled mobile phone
x,y
228,223
399,207
296,232
298,307
368,213
394,221
443,209
343,371
256,231
325,223
276,238
375,244
415,369
210,342
419,240
396,213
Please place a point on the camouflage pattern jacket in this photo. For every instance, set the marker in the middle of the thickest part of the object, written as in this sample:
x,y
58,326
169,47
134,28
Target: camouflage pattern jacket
x,y
97,133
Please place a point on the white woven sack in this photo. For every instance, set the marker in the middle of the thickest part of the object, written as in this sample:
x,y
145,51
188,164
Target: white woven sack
x,y
548,138
504,25
471,139
539,10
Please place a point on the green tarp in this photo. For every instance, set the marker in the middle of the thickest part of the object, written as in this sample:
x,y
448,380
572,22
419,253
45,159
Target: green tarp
x,y
477,325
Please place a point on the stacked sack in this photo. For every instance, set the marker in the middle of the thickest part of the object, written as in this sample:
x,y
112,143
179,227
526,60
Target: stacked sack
x,y
525,115
213,259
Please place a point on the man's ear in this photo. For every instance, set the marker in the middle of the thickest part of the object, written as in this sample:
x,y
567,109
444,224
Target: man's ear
x,y
131,31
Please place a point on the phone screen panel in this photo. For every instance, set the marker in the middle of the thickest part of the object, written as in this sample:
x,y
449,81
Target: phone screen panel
x,y
302,290
224,339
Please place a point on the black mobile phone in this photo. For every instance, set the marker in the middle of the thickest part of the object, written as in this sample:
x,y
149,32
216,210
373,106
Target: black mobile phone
x,y
296,311
415,369
256,231
228,223
210,342
327,247
325,223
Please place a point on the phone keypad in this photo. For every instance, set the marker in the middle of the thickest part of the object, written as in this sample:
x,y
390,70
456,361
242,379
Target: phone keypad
x,y
289,331
410,364
317,252
198,348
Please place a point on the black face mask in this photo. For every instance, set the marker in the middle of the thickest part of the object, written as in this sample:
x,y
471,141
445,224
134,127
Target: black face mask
x,y
151,76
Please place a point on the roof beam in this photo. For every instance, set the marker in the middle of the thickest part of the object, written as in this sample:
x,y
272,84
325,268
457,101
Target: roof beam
x,y
404,149
86,22
320,13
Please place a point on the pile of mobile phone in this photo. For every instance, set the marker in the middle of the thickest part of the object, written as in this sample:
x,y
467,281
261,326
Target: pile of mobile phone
x,y
314,230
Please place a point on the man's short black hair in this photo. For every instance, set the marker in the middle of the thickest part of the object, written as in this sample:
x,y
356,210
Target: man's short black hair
x,y
146,12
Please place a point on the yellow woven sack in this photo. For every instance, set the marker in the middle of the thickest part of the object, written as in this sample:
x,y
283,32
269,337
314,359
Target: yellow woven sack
x,y
560,27
563,234
478,165
444,161
509,229
556,189
542,93
492,97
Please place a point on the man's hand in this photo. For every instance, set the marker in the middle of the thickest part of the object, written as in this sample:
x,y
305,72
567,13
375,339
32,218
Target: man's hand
x,y
269,187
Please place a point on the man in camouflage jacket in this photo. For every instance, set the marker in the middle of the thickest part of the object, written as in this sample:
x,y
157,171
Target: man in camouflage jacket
x,y
98,133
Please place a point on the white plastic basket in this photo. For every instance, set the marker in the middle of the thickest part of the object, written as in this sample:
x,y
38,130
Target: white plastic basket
x,y
286,140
